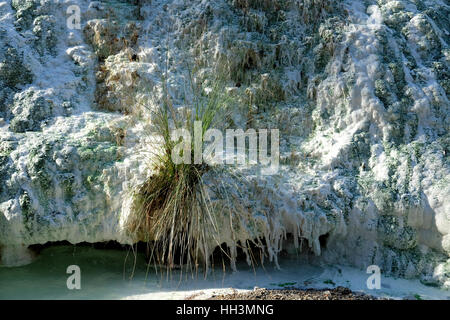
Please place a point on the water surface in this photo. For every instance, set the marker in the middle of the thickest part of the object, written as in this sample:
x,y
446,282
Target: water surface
x,y
106,274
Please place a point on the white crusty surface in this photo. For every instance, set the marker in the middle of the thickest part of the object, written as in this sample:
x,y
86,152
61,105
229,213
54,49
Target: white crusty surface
x,y
358,89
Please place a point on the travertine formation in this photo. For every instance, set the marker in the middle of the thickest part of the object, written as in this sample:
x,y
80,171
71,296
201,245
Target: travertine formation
x,y
358,89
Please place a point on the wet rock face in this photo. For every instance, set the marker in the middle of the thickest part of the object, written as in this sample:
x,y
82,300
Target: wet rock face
x,y
12,70
25,11
29,109
358,90
44,30
13,74
110,37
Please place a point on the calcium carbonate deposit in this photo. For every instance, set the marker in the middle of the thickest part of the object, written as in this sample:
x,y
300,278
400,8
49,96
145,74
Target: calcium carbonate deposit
x,y
358,89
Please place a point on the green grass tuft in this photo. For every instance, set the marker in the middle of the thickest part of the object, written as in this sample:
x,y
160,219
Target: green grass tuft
x,y
172,210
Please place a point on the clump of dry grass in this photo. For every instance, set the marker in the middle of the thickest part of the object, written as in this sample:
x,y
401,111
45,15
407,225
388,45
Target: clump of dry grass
x,y
172,210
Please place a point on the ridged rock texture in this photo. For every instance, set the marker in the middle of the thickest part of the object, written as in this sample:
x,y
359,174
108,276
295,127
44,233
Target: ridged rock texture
x,y
358,89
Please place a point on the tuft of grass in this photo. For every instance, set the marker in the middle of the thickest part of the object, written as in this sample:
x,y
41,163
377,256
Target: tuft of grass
x,y
418,297
172,210
329,281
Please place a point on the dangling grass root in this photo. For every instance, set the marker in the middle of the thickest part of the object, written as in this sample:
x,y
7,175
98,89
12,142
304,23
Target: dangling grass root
x,y
172,215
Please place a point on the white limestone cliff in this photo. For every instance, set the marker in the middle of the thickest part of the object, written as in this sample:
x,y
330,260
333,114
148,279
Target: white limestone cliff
x,y
358,89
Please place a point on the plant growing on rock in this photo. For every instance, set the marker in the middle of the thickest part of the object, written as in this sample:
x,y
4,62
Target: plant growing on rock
x,y
172,209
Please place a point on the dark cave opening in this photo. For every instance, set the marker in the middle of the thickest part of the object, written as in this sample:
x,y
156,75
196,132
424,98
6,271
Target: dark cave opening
x,y
253,250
